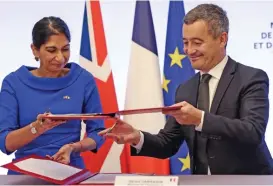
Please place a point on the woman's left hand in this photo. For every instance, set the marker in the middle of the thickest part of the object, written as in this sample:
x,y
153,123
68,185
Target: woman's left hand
x,y
63,155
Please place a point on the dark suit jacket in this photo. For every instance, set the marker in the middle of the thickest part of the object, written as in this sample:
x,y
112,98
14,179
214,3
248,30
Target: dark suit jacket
x,y
235,125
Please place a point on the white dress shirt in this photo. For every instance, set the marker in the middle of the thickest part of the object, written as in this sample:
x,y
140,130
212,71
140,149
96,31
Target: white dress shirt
x,y
216,74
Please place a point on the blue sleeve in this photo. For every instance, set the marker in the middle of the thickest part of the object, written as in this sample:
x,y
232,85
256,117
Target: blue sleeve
x,y
92,104
8,114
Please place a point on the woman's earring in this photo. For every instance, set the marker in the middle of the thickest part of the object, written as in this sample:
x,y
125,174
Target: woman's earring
x,y
36,58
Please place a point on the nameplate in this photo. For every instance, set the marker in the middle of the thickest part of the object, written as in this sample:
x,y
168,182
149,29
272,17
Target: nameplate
x,y
147,180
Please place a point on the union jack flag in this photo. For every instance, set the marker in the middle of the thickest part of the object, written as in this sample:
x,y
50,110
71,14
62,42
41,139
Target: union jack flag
x,y
94,58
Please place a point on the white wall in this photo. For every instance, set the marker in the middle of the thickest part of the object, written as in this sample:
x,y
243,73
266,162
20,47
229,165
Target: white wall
x,y
247,20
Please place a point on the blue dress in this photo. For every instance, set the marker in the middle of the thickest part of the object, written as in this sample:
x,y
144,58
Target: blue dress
x,y
23,96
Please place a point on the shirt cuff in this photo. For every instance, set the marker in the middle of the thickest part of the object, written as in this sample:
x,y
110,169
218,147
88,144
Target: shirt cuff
x,y
200,126
138,146
3,135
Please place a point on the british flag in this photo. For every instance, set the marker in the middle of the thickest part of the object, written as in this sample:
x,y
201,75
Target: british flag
x,y
94,58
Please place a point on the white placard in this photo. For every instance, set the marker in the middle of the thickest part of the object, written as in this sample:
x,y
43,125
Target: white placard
x,y
104,178
147,180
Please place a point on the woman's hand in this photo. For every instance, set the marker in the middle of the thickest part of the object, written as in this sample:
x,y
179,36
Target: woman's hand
x,y
47,124
63,155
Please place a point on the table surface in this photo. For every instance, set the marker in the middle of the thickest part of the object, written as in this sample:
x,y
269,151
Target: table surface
x,y
183,180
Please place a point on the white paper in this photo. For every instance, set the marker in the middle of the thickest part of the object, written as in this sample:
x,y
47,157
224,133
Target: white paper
x,y
47,168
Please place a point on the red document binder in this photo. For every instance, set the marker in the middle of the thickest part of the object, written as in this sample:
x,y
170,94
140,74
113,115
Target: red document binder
x,y
82,175
90,116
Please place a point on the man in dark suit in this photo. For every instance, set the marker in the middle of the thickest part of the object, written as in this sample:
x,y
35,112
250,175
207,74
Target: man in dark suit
x,y
224,111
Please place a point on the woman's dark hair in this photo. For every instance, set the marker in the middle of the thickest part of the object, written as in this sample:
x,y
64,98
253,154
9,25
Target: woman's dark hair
x,y
47,27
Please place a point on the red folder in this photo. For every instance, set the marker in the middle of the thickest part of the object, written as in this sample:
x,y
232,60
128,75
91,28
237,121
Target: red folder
x,y
74,179
90,116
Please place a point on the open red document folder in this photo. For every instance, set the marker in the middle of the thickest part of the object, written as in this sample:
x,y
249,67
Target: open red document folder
x,y
90,116
61,174
49,170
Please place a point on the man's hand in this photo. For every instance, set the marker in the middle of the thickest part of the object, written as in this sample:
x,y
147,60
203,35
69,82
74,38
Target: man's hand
x,y
187,115
122,133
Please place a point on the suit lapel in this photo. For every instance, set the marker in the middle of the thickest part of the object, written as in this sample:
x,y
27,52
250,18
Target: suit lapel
x,y
192,93
223,84
193,90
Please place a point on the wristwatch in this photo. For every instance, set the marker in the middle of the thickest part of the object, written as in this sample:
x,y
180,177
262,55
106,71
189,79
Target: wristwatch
x,y
33,129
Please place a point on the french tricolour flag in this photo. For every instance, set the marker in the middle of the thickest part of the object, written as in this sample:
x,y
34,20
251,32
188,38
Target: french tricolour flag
x,y
144,88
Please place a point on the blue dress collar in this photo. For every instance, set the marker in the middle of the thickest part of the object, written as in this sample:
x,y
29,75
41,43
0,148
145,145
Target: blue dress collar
x,y
44,83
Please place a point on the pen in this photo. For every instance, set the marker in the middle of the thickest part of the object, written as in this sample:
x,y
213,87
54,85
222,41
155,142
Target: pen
x,y
113,126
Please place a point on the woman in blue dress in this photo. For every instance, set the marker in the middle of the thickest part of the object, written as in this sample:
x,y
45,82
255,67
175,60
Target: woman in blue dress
x,y
57,86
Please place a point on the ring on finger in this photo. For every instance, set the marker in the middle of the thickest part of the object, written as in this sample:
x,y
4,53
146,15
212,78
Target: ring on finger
x,y
41,122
